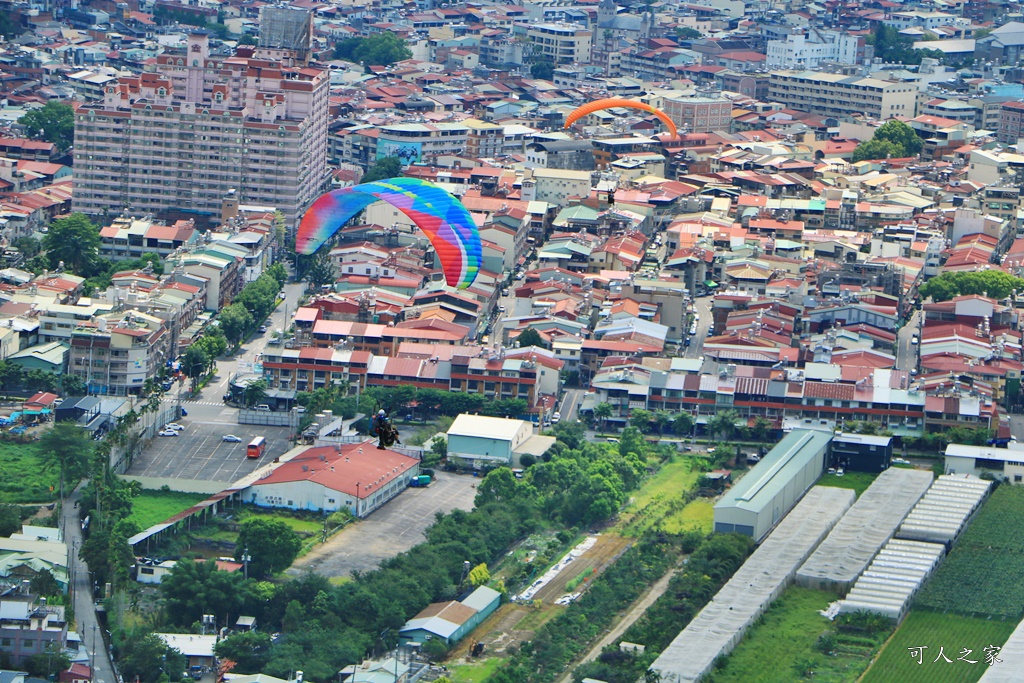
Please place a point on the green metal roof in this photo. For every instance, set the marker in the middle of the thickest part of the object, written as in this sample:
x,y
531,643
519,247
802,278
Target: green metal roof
x,y
776,470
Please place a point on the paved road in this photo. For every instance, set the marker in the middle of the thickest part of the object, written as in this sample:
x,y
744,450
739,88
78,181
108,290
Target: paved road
x,y
390,530
252,349
570,401
703,309
86,624
635,612
906,353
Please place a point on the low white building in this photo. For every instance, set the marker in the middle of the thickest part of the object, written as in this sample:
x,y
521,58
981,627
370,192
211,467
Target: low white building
x,y
1002,462
358,477
493,441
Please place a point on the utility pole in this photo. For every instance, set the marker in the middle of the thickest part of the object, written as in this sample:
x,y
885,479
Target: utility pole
x,y
245,561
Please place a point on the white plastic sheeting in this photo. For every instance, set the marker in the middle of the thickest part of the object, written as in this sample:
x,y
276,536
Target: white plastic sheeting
x,y
718,628
893,579
862,531
945,510
1010,669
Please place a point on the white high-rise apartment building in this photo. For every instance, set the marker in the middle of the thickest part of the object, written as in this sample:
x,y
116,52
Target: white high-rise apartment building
x,y
175,141
808,50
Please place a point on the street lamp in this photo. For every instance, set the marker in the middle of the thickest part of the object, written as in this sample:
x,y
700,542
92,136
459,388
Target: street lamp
x,y
245,561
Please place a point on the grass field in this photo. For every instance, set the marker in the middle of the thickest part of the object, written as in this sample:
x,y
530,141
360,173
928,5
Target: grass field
x,y
698,515
858,481
474,672
660,499
771,651
25,476
933,630
153,507
298,525
984,574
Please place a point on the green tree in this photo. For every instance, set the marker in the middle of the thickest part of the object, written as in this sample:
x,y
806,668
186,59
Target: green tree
x,y
900,134
320,271
193,589
250,651
8,28
53,122
876,149
543,70
47,664
602,411
279,273
271,544
44,584
995,284
10,374
75,240
641,419
247,39
892,139
71,385
530,337
631,442
723,424
662,419
380,49
28,246
479,575
147,658
683,424
195,361
255,392
10,520
687,32
761,430
67,446
382,169
235,321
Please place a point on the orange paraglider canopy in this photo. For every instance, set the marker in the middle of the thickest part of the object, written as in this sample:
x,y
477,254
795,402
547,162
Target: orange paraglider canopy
x,y
614,102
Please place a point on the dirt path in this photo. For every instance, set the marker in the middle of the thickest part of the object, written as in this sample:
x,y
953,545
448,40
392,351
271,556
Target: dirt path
x,y
634,613
503,629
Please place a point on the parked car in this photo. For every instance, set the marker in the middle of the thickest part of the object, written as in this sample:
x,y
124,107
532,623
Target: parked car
x,y
167,432
900,461
555,418
914,340
840,472
753,458
231,438
263,328
263,407
173,426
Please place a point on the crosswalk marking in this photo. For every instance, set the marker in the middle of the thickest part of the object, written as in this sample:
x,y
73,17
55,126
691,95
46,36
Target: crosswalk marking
x,y
195,403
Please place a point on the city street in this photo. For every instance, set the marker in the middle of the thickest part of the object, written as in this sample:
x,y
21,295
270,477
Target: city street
x,y
906,353
86,625
702,305
252,349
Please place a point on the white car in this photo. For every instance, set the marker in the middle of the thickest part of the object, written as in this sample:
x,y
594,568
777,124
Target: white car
x,y
555,418
167,432
231,438
173,426
914,340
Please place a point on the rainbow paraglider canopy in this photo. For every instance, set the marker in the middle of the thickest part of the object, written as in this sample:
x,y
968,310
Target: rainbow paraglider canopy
x,y
441,217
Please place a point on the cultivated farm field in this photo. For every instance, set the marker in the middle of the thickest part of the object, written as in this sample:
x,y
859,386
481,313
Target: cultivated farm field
x,y
984,573
952,633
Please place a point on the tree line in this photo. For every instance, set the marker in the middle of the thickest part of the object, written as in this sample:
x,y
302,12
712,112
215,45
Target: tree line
x,y
324,627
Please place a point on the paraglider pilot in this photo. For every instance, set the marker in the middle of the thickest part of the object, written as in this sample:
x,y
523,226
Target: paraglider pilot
x,y
386,433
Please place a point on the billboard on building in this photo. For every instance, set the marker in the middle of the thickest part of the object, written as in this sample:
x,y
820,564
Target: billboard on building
x,y
407,152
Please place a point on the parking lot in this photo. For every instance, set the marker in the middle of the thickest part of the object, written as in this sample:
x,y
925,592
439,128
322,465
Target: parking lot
x,y
199,451
392,529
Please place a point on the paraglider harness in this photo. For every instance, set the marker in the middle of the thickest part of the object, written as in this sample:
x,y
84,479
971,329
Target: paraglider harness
x,y
386,433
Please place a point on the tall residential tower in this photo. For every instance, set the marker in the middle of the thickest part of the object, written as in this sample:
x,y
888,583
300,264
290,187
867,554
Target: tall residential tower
x,y
175,142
